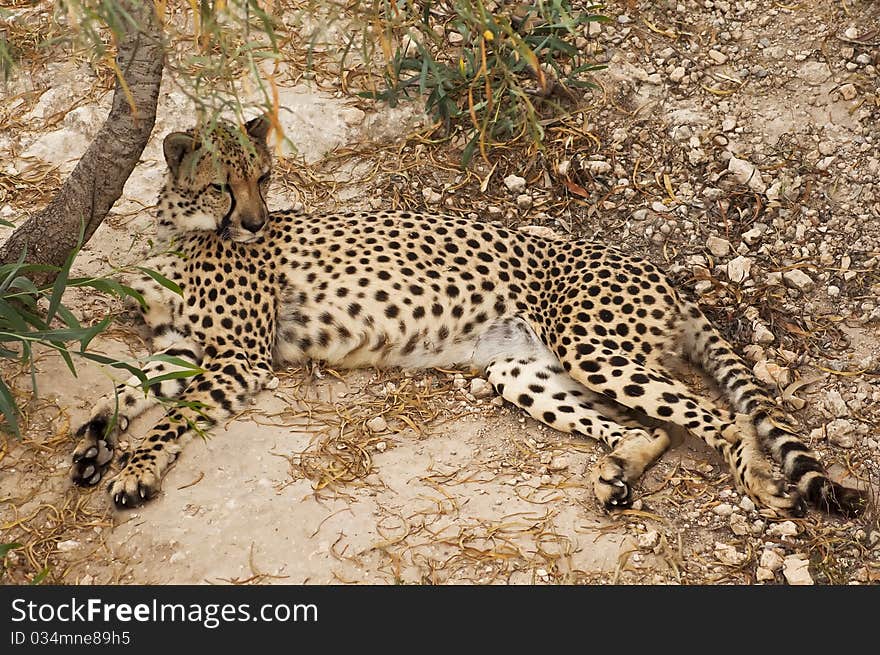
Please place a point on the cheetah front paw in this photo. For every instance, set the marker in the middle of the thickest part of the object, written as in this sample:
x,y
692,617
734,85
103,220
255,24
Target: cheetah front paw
x,y
136,483
94,452
610,485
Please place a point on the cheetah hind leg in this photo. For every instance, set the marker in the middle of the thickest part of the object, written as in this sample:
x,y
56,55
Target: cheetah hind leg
x,y
527,374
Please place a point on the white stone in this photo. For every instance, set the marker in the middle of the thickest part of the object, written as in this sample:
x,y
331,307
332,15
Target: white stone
x,y
381,446
771,560
480,388
68,545
677,74
727,554
783,529
515,183
835,403
815,73
738,269
524,201
718,246
796,569
745,172
558,463
728,124
649,539
431,197
763,334
797,279
598,167
739,525
723,509
377,424
764,575
747,504
839,433
771,373
717,57
847,91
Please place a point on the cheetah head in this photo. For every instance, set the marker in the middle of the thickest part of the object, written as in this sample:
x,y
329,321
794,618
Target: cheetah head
x,y
219,183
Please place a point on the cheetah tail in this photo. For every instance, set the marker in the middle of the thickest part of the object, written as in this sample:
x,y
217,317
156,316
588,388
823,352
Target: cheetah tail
x,y
707,348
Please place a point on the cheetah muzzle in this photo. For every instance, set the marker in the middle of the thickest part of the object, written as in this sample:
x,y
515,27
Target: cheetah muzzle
x,y
573,332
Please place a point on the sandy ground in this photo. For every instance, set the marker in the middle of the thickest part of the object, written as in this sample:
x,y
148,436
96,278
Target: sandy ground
x,y
452,489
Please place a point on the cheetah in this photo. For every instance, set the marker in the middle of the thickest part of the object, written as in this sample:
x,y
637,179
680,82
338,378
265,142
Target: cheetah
x,y
576,333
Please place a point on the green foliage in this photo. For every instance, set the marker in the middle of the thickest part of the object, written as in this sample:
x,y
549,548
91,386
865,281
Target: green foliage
x,y
505,73
24,324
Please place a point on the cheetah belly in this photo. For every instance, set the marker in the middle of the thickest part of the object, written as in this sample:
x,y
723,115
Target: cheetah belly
x,y
330,333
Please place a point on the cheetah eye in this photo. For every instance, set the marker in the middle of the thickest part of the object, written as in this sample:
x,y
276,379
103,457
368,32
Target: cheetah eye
x,y
220,188
264,178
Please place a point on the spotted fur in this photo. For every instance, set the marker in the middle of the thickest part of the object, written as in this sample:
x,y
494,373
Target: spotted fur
x,y
576,333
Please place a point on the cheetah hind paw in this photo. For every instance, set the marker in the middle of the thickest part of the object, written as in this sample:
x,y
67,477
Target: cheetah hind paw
x,y
609,483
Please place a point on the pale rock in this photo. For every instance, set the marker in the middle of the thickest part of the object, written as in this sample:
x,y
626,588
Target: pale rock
x,y
677,74
762,334
728,124
770,559
649,539
745,172
558,463
747,504
541,231
381,446
839,432
796,569
754,352
598,167
835,404
68,545
377,424
739,525
771,373
480,388
738,269
783,529
717,57
515,183
431,197
847,91
723,509
727,554
797,279
718,246
815,73
764,575
524,201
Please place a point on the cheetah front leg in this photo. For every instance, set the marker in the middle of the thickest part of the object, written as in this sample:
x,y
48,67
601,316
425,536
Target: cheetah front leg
x,y
113,413
542,389
219,392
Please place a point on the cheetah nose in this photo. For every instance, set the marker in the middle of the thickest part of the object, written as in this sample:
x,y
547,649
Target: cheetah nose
x,y
253,224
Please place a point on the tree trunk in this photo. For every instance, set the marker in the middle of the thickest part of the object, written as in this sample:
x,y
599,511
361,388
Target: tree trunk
x,y
96,183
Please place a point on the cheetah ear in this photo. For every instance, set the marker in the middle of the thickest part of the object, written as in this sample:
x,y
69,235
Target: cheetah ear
x,y
257,128
178,145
